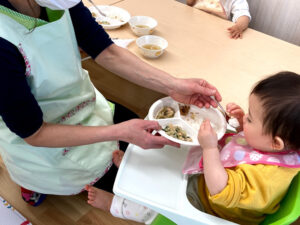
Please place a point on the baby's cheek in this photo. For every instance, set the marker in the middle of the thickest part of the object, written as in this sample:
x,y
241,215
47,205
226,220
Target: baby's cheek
x,y
244,120
246,129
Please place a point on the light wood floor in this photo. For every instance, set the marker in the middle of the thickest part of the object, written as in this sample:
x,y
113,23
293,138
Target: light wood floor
x,y
58,210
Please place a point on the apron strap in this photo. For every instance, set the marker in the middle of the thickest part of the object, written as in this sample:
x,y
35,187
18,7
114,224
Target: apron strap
x,y
31,22
54,15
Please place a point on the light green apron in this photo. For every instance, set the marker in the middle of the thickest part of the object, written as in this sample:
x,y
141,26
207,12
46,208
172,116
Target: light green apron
x,y
66,95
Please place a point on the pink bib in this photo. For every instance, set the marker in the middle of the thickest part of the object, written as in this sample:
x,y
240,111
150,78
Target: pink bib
x,y
237,151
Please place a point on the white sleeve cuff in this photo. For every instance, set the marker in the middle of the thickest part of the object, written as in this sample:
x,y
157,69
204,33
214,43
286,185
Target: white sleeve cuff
x,y
240,13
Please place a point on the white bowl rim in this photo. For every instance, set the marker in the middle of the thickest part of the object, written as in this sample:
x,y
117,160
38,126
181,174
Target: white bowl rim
x,y
154,36
151,18
148,17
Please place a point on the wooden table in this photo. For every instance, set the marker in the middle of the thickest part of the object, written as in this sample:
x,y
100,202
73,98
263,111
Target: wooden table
x,y
199,46
101,2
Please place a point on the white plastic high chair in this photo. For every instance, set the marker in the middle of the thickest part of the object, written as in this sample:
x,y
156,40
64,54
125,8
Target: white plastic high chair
x,y
154,179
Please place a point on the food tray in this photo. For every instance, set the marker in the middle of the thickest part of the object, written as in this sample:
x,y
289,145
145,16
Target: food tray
x,y
190,122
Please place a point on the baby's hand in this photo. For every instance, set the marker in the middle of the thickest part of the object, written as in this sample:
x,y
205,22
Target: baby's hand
x,y
207,137
235,31
236,111
190,2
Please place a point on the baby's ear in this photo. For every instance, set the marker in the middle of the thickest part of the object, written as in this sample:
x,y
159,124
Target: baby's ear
x,y
278,143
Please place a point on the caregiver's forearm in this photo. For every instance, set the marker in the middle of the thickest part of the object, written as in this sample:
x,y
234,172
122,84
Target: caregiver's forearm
x,y
57,135
125,64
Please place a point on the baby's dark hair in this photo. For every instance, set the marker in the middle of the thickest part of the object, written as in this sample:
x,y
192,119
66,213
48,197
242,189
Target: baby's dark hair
x,y
280,96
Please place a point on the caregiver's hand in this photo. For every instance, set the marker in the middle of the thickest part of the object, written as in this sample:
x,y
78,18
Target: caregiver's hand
x,y
139,132
127,65
194,91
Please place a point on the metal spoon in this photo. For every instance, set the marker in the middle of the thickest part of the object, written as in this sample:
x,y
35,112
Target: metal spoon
x,y
99,11
106,18
227,117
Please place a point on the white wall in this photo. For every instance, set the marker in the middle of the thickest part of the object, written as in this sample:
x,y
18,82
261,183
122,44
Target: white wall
x,y
279,18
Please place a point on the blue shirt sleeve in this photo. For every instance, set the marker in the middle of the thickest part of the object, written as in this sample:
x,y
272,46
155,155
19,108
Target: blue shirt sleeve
x,y
18,107
91,36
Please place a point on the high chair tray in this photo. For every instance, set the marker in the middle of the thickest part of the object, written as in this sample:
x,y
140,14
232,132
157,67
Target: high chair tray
x,y
153,178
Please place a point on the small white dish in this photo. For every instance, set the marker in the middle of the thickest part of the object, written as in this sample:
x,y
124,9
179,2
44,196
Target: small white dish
x,y
152,46
116,17
190,122
142,25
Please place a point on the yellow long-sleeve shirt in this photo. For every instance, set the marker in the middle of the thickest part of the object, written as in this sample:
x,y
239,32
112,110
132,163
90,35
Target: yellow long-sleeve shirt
x,y
252,192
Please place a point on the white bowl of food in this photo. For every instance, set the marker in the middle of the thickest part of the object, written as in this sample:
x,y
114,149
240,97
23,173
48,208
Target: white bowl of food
x,y
180,123
142,25
115,16
151,46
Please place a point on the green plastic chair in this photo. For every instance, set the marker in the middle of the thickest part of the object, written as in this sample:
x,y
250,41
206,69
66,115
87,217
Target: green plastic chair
x,y
162,220
288,212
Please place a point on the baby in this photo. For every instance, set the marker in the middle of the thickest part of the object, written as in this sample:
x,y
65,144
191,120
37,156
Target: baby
x,y
249,177
237,10
251,174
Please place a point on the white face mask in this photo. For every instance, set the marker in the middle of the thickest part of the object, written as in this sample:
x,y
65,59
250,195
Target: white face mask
x,y
57,4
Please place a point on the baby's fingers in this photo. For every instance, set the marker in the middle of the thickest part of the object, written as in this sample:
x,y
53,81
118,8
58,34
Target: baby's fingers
x,y
230,29
232,106
206,125
237,113
235,35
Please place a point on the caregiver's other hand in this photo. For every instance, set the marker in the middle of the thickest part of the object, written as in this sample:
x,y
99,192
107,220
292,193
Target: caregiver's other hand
x,y
139,132
195,92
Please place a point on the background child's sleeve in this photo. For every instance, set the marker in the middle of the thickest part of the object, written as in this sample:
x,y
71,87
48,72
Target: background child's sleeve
x,y
239,8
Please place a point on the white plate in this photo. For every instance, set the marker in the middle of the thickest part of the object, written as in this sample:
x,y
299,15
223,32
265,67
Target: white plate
x,y
116,16
191,122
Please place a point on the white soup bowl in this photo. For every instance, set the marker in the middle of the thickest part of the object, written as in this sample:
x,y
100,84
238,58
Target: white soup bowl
x,y
152,46
142,25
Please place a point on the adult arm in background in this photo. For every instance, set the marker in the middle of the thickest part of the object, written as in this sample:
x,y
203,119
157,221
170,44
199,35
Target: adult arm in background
x,y
188,91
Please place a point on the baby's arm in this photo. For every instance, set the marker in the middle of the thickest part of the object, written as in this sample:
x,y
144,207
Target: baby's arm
x,y
241,24
241,17
237,112
214,173
190,2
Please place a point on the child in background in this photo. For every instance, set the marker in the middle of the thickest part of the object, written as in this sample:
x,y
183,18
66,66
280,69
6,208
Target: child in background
x,y
259,162
237,10
249,177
